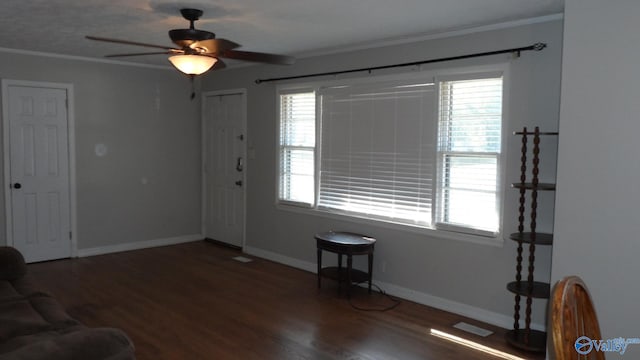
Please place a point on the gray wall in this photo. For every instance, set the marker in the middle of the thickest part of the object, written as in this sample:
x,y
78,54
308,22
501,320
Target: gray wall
x,y
425,267
152,130
598,167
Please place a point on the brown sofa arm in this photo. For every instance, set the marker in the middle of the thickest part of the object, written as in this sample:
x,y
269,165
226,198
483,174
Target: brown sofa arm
x,y
12,264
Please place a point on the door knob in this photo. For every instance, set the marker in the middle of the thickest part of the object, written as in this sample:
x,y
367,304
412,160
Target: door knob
x,y
17,186
239,182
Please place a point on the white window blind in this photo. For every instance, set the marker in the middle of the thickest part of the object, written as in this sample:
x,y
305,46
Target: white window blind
x,y
297,147
378,150
469,138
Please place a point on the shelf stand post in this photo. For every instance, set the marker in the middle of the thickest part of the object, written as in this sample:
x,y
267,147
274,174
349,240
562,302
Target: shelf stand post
x,y
521,209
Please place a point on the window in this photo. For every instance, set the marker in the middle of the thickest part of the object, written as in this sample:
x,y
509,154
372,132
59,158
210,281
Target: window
x,y
469,141
297,147
376,145
419,152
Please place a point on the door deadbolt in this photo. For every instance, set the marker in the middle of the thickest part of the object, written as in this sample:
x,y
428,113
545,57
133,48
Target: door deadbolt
x,y
17,186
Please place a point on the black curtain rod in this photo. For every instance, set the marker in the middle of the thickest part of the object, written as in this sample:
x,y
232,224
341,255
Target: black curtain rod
x,y
534,47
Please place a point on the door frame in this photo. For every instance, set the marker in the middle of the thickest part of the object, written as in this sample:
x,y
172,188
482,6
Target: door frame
x,y
243,101
6,83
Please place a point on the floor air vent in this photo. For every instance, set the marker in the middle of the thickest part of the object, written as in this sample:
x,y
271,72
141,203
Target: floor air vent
x,y
472,329
242,259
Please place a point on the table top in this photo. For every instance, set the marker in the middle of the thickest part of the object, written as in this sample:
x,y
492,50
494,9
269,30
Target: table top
x,y
345,238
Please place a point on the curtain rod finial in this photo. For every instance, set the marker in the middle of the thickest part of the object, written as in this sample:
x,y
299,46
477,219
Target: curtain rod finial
x,y
539,46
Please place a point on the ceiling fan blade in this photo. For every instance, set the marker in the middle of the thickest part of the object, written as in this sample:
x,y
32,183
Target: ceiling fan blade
x,y
214,46
219,65
258,57
142,54
127,42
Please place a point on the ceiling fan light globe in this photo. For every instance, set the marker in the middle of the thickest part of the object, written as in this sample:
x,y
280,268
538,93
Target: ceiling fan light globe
x,y
192,64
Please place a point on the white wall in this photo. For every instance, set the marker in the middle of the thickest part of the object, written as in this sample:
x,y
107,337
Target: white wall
x,y
598,197
461,276
152,131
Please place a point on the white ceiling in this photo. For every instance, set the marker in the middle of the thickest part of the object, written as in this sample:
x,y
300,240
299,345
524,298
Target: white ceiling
x,y
293,27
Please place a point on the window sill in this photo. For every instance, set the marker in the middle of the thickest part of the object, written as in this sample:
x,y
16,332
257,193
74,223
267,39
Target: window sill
x,y
496,241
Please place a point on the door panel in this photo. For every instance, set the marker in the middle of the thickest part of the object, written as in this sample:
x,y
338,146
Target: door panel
x,y
224,168
39,172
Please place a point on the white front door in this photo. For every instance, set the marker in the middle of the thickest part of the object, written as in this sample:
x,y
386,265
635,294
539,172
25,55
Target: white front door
x,y
224,166
37,195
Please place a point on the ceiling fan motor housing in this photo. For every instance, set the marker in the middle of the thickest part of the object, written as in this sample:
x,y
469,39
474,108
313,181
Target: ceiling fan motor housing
x,y
186,37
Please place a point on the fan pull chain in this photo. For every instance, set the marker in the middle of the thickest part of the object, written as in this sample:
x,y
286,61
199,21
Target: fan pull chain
x,y
193,87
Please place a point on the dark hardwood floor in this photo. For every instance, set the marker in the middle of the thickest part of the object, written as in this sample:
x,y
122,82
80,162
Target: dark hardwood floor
x,y
193,301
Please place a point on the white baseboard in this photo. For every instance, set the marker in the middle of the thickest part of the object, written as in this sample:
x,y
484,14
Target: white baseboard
x,y
298,264
486,316
101,250
476,313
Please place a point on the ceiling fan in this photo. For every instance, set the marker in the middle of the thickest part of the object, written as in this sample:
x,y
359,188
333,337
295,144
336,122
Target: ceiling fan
x,y
198,50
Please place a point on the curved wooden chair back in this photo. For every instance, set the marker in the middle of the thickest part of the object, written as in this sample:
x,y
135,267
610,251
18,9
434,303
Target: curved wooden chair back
x,y
573,316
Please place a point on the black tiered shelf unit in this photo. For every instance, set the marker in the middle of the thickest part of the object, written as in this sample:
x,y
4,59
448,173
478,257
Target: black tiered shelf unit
x,y
524,337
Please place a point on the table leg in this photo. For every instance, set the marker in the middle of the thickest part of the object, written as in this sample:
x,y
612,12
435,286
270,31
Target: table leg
x,y
319,266
339,272
370,270
349,265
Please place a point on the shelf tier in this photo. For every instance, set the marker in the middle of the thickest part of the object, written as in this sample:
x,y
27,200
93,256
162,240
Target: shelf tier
x,y
537,341
341,274
540,290
530,186
526,237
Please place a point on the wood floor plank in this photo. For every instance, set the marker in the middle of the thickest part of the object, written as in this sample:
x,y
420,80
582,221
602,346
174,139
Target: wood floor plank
x,y
193,301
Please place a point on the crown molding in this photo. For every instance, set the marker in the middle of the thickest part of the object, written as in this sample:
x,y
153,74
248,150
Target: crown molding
x,y
82,58
433,36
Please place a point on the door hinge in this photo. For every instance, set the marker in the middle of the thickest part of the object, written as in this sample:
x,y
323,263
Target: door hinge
x,y
66,103
70,235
